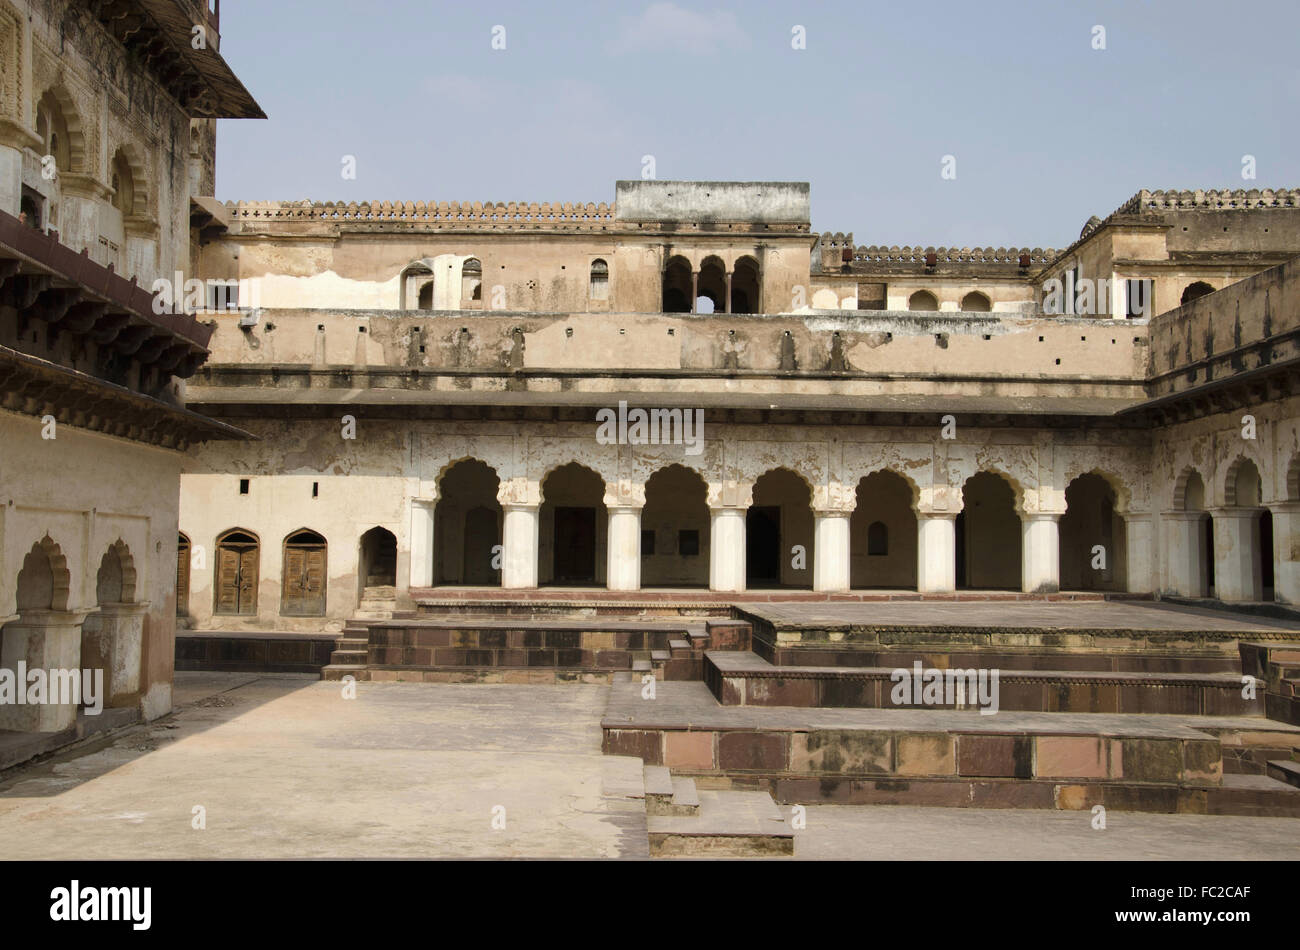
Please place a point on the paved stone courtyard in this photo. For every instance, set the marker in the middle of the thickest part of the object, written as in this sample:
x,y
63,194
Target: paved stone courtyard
x,y
287,768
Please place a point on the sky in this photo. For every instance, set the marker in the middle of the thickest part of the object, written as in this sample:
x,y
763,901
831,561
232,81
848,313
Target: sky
x,y
1036,127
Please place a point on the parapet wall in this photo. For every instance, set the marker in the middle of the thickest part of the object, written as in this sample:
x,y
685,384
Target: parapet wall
x,y
1244,327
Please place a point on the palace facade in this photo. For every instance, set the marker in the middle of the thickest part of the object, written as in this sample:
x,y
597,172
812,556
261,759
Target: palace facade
x,y
423,383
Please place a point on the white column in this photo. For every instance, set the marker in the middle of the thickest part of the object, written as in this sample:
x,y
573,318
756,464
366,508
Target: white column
x,y
1236,559
831,550
1139,552
519,562
727,549
1184,553
936,552
1040,557
1286,538
623,548
422,542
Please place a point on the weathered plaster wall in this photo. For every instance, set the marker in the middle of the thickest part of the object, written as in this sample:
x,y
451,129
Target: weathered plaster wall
x,y
57,487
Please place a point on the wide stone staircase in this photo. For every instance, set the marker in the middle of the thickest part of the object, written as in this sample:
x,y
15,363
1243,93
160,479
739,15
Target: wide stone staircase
x,y
495,641
1175,718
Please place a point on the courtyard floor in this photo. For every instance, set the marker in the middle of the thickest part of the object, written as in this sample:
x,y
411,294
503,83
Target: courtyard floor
x,y
285,767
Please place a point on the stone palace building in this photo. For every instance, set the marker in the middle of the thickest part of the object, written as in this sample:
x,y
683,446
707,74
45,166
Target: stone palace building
x,y
107,151
428,389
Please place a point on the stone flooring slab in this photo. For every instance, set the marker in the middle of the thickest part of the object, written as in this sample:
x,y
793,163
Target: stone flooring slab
x,y
904,833
284,767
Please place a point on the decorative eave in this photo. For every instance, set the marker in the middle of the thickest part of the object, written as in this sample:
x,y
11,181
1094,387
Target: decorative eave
x,y
159,32
46,280
36,387
209,217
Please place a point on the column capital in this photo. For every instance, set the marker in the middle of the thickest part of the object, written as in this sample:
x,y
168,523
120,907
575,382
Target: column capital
x,y
1285,507
833,512
520,505
1136,515
923,515
621,509
1042,515
1235,512
1181,514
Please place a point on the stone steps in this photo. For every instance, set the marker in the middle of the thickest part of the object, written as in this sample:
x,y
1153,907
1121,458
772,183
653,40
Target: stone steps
x,y
1134,762
1285,770
745,678
724,823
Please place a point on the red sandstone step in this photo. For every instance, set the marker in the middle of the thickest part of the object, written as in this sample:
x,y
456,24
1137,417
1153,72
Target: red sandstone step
x,y
740,678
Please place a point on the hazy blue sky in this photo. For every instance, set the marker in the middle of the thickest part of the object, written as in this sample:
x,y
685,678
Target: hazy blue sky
x,y
1045,130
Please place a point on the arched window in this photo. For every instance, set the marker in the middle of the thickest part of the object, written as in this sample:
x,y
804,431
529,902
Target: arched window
x,y
471,280
976,302
411,284
237,564
1194,290
923,300
426,296
303,577
877,539
124,184
599,280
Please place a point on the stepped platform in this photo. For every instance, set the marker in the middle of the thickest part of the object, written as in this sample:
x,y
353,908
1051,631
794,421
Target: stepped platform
x,y
513,649
1131,636
1138,762
743,678
681,596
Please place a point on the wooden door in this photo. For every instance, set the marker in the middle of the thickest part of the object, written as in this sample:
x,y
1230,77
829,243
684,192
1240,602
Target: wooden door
x,y
182,577
303,592
237,579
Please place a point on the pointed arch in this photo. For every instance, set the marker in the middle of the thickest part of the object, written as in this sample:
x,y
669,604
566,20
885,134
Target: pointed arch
x,y
60,109
44,582
116,579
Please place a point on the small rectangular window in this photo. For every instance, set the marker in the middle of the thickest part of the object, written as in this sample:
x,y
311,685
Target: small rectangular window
x,y
315,489
243,486
688,542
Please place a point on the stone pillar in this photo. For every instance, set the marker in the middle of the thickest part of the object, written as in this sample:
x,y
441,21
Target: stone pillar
x,y
728,304
936,552
422,541
1286,547
519,563
44,640
1040,553
1237,574
727,549
623,548
831,550
111,640
695,288
1139,552
1185,572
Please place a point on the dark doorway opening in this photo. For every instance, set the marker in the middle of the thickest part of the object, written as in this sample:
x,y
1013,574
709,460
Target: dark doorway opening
x,y
575,545
959,532
1208,528
1266,553
378,558
763,545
